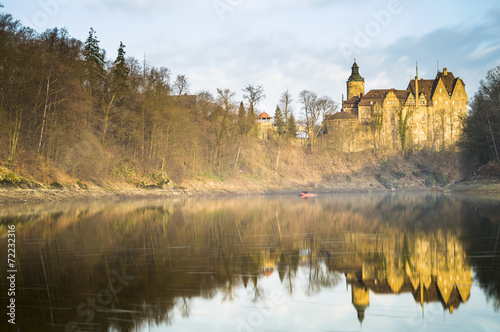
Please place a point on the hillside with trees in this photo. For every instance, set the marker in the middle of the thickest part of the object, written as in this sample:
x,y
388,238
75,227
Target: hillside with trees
x,y
74,116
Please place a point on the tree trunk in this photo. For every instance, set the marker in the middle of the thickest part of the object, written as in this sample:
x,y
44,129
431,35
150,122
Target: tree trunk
x,y
15,136
45,109
106,110
492,137
236,166
278,159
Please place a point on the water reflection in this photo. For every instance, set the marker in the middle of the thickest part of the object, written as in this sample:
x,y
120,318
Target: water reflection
x,y
134,265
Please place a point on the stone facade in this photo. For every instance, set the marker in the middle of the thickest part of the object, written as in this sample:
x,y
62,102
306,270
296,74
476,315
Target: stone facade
x,y
425,115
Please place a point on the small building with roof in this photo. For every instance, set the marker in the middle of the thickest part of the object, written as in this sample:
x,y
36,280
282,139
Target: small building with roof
x,y
264,125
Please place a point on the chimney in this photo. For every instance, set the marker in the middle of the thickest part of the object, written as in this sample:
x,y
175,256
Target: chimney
x,y
445,71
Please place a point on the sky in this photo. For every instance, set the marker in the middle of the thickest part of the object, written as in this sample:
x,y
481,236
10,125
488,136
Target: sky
x,y
284,45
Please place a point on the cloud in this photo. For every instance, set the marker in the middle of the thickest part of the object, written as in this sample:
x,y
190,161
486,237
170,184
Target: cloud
x,y
468,52
291,44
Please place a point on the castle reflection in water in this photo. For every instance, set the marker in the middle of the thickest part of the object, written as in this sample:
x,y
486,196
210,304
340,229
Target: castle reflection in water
x,y
182,250
433,268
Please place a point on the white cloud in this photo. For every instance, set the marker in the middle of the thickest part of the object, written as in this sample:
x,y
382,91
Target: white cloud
x,y
288,44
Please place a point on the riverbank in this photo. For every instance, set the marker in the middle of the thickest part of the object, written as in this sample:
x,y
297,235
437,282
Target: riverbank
x,y
391,175
205,188
481,185
486,180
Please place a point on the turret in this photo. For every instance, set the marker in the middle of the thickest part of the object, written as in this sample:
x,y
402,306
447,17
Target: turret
x,y
355,83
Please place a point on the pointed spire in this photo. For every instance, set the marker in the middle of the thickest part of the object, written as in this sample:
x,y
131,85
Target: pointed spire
x,y
355,73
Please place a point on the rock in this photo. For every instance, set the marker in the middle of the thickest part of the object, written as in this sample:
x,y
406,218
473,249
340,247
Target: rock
x,y
398,174
56,185
386,182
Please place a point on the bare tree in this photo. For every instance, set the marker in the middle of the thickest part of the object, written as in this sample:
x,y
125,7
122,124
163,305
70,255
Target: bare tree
x,y
253,94
225,101
315,109
181,84
286,104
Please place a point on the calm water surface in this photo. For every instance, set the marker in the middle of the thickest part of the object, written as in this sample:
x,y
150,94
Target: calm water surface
x,y
278,263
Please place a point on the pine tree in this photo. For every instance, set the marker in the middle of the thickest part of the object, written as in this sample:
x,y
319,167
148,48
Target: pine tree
x,y
242,118
279,121
94,59
250,119
121,70
291,126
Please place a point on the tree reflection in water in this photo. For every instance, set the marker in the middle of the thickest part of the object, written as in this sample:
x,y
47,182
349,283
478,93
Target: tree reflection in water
x,y
177,251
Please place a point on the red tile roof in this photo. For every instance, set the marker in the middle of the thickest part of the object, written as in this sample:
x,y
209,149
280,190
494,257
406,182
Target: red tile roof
x,y
264,115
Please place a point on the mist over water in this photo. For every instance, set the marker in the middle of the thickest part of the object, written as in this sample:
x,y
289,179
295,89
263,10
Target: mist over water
x,y
336,262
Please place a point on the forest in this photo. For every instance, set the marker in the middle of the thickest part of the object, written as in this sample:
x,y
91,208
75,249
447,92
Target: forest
x,y
70,110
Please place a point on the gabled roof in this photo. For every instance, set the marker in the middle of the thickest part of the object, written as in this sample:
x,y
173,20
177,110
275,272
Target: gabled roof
x,y
428,87
264,115
424,86
374,96
379,95
353,101
448,80
402,95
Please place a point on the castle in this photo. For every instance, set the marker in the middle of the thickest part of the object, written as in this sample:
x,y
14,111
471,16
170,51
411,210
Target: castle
x,y
425,115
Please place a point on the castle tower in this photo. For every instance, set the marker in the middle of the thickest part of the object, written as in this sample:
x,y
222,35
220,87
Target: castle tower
x,y
355,83
360,300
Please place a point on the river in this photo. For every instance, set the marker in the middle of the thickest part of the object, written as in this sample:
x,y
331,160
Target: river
x,y
364,262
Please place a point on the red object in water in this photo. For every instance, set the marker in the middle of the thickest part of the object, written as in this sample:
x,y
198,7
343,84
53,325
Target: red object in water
x,y
307,195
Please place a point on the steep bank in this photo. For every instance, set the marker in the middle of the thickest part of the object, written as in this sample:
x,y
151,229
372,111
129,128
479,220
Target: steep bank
x,y
361,173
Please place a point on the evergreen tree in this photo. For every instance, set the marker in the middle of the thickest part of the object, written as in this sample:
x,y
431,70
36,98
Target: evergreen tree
x,y
94,59
291,126
242,118
121,70
279,121
251,118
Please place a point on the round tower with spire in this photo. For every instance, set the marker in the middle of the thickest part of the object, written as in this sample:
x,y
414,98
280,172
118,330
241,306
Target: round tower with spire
x,y
355,83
